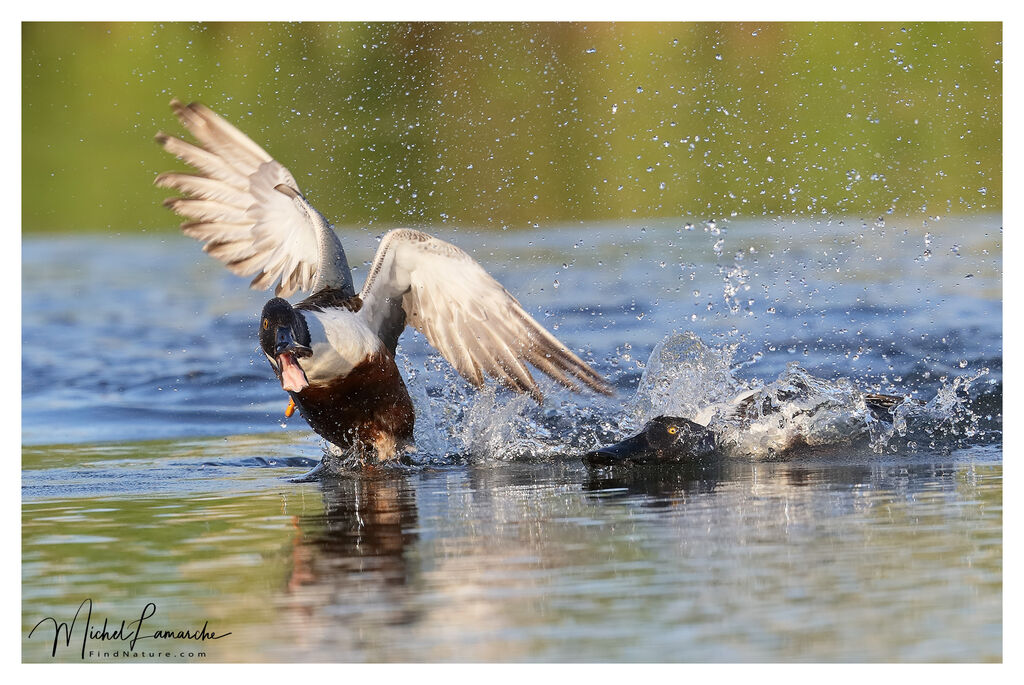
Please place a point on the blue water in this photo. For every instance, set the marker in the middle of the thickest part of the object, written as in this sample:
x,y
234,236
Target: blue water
x,y
133,338
146,406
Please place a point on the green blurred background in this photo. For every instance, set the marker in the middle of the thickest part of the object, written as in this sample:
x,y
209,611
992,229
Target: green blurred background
x,y
511,125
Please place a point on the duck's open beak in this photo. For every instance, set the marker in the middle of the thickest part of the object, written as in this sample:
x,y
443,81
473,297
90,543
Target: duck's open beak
x,y
287,352
634,450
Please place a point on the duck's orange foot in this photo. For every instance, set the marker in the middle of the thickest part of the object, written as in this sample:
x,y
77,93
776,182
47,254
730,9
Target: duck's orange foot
x,y
290,409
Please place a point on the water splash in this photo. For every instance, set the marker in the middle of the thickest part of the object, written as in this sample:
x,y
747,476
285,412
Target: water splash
x,y
686,377
499,425
945,420
795,410
456,421
683,376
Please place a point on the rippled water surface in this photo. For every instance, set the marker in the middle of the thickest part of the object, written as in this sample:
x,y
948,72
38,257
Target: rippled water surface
x,y
157,455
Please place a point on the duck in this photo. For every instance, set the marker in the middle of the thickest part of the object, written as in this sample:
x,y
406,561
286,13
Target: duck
x,y
669,439
333,351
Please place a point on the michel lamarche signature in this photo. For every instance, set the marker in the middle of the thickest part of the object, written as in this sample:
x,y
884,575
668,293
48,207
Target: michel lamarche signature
x,y
129,631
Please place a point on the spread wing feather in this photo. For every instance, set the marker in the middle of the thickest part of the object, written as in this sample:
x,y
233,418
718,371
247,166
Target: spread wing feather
x,y
247,208
466,315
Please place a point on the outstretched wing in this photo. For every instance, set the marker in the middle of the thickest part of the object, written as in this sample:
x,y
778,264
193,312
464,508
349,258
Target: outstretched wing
x,y
247,209
465,314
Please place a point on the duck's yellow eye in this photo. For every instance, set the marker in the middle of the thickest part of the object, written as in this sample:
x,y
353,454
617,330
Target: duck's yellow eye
x,y
266,324
672,430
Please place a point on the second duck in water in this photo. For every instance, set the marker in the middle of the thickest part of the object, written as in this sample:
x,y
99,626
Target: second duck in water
x,y
673,439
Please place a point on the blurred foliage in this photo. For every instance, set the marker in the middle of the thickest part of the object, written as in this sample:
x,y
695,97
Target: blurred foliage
x,y
518,124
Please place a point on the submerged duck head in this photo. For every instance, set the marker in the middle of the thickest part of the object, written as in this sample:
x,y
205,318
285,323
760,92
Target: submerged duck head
x,y
284,338
664,440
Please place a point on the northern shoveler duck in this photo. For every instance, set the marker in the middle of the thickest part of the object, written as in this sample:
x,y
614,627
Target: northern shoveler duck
x,y
674,439
334,352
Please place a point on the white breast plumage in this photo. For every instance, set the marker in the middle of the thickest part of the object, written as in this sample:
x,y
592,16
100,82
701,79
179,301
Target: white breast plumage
x,y
341,340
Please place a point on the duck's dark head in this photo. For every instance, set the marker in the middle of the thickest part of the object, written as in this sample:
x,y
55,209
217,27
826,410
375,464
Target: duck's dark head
x,y
284,338
664,440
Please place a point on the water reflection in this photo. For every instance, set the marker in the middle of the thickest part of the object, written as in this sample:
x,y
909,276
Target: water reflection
x,y
729,561
845,557
355,547
668,485
660,485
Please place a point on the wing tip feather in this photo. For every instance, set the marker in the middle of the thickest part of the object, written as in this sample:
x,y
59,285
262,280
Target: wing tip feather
x,y
162,179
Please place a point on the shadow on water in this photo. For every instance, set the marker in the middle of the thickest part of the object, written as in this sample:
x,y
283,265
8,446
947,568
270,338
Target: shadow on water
x,y
667,485
657,486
